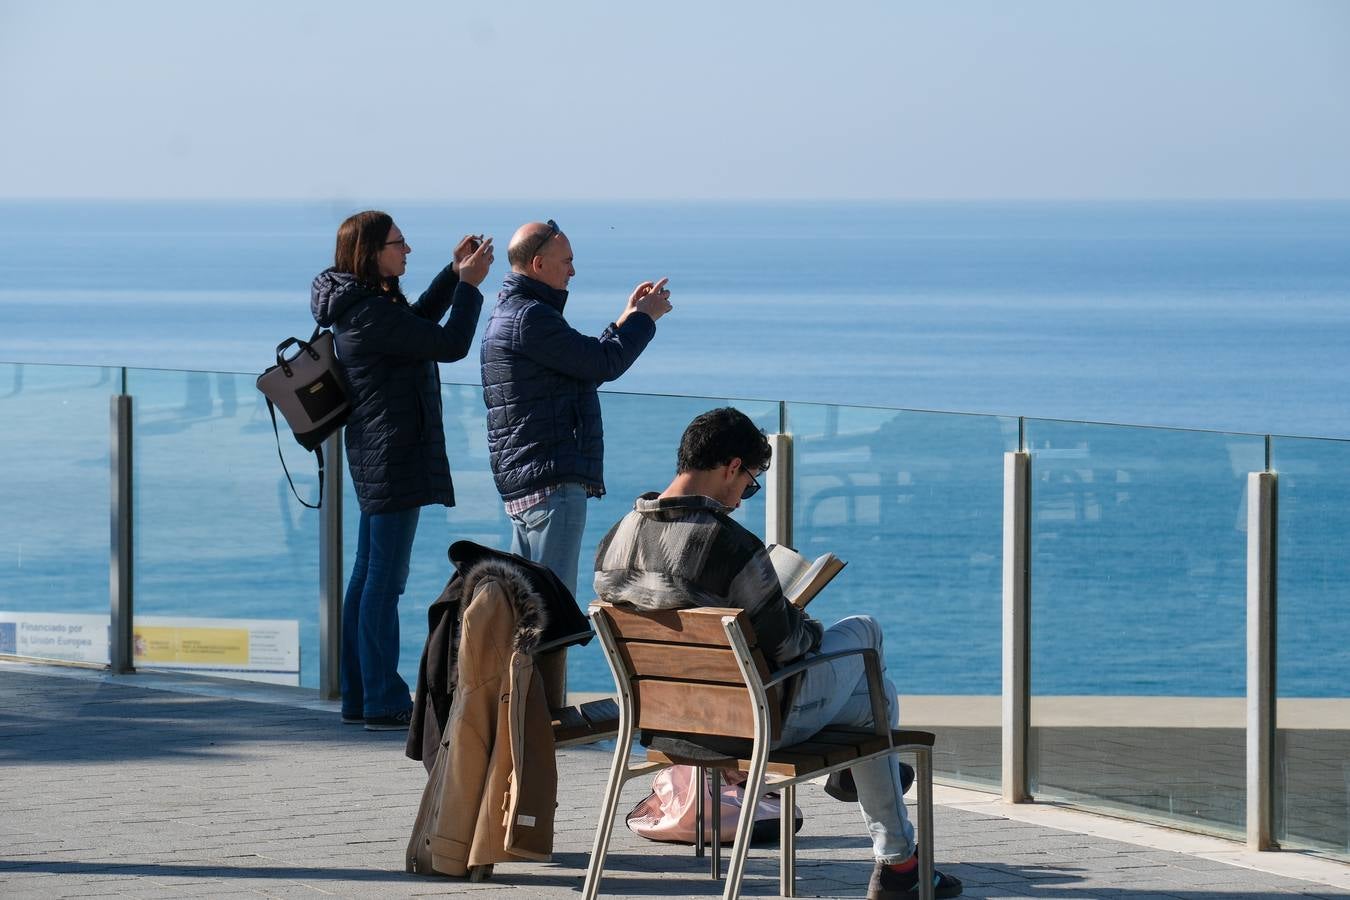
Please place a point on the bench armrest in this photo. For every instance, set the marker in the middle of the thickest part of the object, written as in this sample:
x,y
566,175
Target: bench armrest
x,y
803,664
871,666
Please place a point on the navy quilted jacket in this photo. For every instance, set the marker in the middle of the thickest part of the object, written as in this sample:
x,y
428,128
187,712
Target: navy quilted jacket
x,y
389,350
539,384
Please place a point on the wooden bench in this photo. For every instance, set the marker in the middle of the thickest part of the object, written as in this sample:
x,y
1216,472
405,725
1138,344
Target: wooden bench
x,y
698,674
585,724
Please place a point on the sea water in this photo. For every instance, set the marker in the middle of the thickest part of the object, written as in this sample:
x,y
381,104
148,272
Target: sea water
x,y
1224,316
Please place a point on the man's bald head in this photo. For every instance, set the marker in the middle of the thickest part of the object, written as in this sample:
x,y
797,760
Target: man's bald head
x,y
527,243
541,251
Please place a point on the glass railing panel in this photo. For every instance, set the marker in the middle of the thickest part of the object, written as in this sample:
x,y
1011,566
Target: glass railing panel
x,y
226,570
913,502
476,516
1138,551
642,434
1312,748
54,494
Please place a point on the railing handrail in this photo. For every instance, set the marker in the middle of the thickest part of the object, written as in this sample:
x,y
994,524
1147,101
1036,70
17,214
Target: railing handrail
x,y
1188,429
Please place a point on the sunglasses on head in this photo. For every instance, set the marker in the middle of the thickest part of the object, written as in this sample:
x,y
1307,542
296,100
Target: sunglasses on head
x,y
548,236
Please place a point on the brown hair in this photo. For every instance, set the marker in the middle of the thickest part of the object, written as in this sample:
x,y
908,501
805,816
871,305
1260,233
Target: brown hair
x,y
360,238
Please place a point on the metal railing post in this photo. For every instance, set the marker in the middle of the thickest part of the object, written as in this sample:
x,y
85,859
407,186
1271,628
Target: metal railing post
x,y
1262,555
121,651
1016,705
330,571
778,493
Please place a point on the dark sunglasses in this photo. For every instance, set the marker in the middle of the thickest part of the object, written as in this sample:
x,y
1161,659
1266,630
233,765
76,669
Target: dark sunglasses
x,y
752,488
548,236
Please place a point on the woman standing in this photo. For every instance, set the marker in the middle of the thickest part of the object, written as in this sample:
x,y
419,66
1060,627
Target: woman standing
x,y
395,443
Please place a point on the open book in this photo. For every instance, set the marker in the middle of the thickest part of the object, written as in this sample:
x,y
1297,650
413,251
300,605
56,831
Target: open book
x,y
802,578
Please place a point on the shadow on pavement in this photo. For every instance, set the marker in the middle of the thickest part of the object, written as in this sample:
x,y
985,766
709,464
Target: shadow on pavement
x,y
97,722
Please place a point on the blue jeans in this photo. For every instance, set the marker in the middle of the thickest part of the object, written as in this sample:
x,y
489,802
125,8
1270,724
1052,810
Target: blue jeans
x,y
371,685
549,533
835,693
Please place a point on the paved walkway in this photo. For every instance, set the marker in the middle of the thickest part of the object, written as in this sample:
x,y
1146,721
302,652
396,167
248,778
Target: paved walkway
x,y
113,788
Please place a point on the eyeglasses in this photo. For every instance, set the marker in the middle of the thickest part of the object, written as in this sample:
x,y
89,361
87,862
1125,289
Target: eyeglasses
x,y
403,242
752,488
548,236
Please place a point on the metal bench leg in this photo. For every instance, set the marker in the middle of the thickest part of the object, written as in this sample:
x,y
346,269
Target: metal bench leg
x,y
787,841
745,824
924,767
610,805
715,776
700,811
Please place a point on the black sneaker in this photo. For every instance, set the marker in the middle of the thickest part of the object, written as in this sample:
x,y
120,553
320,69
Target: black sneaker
x,y
357,719
840,786
399,721
888,884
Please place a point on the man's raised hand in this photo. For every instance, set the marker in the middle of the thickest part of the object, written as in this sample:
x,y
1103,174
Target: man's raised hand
x,y
650,298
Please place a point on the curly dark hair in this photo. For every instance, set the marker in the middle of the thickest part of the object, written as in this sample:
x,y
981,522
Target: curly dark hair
x,y
717,437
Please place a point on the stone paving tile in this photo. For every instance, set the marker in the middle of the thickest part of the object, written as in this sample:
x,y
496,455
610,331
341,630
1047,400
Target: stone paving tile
x,y
141,793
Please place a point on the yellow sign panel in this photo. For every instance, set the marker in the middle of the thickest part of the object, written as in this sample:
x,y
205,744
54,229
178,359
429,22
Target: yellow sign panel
x,y
166,644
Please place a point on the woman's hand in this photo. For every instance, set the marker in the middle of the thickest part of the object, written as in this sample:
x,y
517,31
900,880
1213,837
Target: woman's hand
x,y
464,249
474,265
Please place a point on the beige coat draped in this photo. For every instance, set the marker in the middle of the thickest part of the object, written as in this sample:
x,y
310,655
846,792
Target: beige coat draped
x,y
491,794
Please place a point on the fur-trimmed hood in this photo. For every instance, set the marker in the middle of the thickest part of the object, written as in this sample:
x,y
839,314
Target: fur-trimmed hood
x,y
531,610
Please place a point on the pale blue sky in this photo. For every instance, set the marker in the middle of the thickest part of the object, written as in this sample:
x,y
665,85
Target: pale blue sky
x,y
685,100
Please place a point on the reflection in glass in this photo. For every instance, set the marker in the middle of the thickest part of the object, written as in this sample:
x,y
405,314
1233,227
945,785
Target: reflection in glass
x,y
1138,610
54,492
913,503
1312,747
226,560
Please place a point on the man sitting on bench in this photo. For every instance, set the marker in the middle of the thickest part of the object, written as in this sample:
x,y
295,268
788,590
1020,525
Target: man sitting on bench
x,y
680,548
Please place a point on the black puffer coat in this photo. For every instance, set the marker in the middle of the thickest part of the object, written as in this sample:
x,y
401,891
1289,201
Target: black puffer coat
x,y
389,350
539,384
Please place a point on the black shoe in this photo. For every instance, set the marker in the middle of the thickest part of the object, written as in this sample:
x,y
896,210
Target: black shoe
x,y
399,721
888,884
840,784
353,720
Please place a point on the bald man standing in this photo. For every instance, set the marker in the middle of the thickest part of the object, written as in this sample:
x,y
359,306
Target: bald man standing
x,y
540,376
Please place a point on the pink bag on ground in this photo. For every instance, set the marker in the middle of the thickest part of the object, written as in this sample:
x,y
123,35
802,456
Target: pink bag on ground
x,y
669,812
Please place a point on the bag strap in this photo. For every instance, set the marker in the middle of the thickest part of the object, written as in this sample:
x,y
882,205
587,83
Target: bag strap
x,y
318,451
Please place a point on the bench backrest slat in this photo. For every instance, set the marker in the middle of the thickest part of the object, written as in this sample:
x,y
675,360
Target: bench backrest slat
x,y
683,670
714,665
696,625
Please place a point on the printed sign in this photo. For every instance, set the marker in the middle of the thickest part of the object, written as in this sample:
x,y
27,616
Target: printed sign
x,y
265,650
167,644
67,637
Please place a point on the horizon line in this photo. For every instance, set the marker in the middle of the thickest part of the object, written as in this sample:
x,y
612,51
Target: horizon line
x,y
676,200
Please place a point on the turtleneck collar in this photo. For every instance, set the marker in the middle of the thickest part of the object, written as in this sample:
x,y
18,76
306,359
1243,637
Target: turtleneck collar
x,y
516,283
